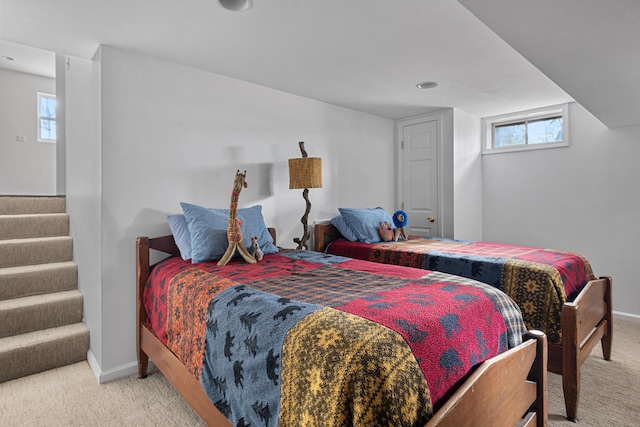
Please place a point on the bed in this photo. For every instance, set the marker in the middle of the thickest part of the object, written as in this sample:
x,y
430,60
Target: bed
x,y
557,291
196,342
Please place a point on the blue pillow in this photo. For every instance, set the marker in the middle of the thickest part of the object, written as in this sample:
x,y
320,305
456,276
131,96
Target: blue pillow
x,y
208,230
253,225
181,234
339,223
365,222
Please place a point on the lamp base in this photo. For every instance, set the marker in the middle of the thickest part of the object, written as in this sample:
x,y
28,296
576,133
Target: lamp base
x,y
302,241
302,245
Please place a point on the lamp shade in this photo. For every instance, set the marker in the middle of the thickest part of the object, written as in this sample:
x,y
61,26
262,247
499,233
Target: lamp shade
x,y
305,172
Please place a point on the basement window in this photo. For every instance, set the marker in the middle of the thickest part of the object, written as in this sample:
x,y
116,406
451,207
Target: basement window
x,y
46,118
526,130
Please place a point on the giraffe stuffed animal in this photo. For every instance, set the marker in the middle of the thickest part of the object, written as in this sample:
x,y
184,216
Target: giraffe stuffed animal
x,y
234,233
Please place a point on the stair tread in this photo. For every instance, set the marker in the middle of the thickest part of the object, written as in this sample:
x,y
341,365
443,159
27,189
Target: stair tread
x,y
45,335
33,225
33,239
35,215
32,204
37,250
36,267
33,300
35,279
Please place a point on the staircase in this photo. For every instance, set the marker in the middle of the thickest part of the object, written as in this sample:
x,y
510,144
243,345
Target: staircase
x,y
40,306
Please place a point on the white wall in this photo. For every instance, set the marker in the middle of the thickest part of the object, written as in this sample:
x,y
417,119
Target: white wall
x,y
144,135
171,133
83,179
61,111
446,167
26,168
467,177
582,198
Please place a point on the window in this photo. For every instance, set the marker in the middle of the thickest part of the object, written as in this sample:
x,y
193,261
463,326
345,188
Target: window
x,y
527,130
46,118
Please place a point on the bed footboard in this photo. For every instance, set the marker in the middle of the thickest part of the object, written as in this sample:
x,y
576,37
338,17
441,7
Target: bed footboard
x,y
513,383
585,322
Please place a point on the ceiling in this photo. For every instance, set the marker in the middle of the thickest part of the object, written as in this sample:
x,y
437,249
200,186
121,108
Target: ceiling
x,y
590,48
24,59
366,55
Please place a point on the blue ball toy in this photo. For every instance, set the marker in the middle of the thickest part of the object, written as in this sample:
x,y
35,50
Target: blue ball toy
x,y
400,219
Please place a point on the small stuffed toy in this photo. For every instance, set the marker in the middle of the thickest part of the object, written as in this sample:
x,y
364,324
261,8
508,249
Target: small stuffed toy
x,y
386,232
256,252
400,220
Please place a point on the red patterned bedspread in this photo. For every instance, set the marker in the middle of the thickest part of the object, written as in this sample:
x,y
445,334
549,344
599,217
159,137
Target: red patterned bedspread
x,y
539,280
335,336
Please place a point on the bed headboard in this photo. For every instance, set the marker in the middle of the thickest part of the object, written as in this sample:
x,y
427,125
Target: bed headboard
x,y
167,244
323,234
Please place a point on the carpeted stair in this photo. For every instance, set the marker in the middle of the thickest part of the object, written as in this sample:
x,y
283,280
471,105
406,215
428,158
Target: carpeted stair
x,y
40,306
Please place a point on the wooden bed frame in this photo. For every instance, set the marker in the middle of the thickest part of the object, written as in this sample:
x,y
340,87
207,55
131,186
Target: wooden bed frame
x,y
584,322
506,390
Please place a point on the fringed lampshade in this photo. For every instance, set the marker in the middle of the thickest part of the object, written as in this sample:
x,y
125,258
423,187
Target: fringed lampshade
x,y
305,172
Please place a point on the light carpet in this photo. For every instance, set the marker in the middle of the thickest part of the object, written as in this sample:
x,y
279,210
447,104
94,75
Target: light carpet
x,y
70,396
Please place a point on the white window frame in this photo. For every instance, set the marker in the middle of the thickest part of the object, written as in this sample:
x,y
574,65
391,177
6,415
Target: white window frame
x,y
39,128
488,124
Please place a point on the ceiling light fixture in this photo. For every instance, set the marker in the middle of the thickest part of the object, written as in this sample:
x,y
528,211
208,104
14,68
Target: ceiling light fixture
x,y
427,85
236,5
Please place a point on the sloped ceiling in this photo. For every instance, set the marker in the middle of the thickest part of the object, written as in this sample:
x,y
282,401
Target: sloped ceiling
x,y
590,48
365,55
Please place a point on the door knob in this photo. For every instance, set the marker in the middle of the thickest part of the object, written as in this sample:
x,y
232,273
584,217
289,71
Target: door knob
x,y
431,219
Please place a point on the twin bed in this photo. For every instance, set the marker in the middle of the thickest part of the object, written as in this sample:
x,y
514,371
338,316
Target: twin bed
x,y
556,291
306,338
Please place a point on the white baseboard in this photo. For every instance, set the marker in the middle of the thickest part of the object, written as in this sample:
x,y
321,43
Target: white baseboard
x,y
626,316
112,374
93,364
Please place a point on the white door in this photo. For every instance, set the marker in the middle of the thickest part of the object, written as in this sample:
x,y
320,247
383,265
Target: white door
x,y
418,180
